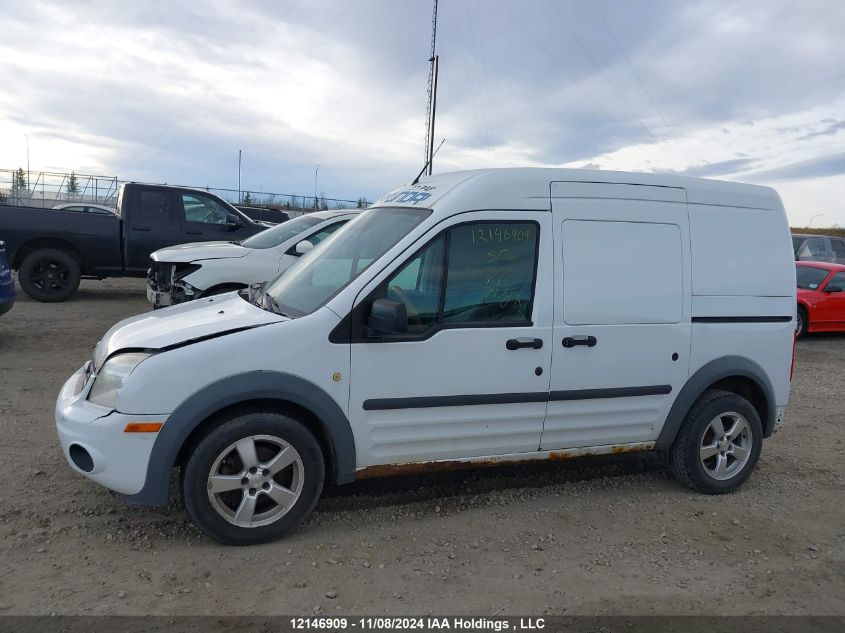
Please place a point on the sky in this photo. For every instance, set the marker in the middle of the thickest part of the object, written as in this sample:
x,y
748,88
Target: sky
x,y
170,91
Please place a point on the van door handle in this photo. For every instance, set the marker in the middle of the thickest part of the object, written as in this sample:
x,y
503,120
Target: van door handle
x,y
518,343
572,341
193,232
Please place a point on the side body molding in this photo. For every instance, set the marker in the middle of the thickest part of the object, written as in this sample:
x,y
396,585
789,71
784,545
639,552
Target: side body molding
x,y
712,372
256,385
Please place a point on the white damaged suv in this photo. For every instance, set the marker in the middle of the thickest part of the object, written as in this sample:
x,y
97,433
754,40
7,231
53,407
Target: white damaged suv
x,y
202,269
468,319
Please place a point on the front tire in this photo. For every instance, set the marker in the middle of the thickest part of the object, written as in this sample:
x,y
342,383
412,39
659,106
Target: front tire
x,y
718,445
253,479
49,275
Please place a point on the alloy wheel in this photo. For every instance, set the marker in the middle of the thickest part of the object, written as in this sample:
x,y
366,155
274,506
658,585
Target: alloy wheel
x,y
725,446
255,481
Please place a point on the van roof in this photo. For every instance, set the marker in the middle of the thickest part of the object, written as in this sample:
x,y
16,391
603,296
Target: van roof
x,y
529,188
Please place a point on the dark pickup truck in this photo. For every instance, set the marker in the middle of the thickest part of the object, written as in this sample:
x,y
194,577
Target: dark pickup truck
x,y
52,249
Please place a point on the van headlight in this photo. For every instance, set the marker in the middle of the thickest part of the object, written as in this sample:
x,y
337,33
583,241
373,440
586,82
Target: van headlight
x,y
111,377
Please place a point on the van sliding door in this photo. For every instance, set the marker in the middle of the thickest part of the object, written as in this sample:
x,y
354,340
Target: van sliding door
x,y
621,326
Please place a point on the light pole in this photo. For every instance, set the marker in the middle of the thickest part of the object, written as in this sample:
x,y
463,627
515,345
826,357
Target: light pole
x,y
240,151
316,171
818,215
27,161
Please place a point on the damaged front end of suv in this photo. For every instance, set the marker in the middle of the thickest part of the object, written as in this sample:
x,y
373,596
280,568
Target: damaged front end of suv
x,y
166,283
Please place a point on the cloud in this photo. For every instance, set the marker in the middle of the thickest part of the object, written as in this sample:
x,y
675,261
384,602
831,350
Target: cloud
x,y
818,167
171,92
720,168
831,129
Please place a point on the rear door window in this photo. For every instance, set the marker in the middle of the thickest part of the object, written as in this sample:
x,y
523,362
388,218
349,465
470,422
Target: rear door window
x,y
153,209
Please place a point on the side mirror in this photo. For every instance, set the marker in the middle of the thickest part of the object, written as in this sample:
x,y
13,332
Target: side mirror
x,y
831,288
233,221
388,316
303,247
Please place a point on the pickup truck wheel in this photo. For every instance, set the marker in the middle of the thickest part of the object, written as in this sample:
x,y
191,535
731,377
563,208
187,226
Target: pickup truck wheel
x,y
253,478
49,275
718,445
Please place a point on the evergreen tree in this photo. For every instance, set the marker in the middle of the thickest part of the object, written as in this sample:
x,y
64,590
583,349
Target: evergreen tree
x,y
247,198
20,179
73,184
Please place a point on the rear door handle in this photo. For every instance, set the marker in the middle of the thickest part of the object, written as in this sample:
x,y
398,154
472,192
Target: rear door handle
x,y
192,232
572,341
519,343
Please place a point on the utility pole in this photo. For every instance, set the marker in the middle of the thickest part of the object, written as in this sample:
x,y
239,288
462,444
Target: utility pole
x,y
315,186
27,161
240,151
818,215
432,91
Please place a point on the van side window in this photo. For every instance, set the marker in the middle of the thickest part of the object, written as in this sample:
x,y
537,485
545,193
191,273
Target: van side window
x,y
418,285
490,272
489,277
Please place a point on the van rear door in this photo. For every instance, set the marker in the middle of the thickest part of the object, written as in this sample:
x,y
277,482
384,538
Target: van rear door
x,y
621,317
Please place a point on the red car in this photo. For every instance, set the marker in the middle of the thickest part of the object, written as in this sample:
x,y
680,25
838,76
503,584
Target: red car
x,y
821,297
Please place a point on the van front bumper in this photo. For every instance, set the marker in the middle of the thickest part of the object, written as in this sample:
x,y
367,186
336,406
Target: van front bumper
x,y
94,441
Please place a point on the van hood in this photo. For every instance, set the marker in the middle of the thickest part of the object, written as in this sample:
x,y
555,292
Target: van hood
x,y
183,324
199,250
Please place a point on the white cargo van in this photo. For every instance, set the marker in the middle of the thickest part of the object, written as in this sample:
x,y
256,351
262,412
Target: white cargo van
x,y
472,318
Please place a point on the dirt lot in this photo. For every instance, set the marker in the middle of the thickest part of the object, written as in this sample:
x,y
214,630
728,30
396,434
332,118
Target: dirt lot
x,y
597,536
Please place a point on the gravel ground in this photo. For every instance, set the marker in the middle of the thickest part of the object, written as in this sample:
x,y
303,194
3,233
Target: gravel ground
x,y
611,535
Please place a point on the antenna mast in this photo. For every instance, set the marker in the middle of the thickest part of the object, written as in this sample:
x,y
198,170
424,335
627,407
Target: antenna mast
x,y
432,92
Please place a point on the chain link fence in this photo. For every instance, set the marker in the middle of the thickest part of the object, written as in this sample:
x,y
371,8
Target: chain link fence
x,y
48,189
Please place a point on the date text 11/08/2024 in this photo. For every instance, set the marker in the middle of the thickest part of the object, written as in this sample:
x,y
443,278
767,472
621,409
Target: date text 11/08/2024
x,y
418,623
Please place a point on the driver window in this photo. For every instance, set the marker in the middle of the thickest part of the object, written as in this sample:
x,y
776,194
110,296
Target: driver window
x,y
203,210
489,277
417,285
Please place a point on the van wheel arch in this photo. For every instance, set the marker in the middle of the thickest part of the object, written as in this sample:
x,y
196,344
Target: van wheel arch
x,y
303,415
730,373
198,412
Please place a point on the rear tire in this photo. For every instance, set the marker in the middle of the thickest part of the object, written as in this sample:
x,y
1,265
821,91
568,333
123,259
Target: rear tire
x,y
49,275
803,322
718,444
253,479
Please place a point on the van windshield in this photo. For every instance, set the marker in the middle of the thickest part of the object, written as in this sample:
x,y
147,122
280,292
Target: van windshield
x,y
323,272
281,233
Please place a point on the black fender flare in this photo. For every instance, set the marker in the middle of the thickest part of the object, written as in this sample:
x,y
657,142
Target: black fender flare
x,y
255,385
697,384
